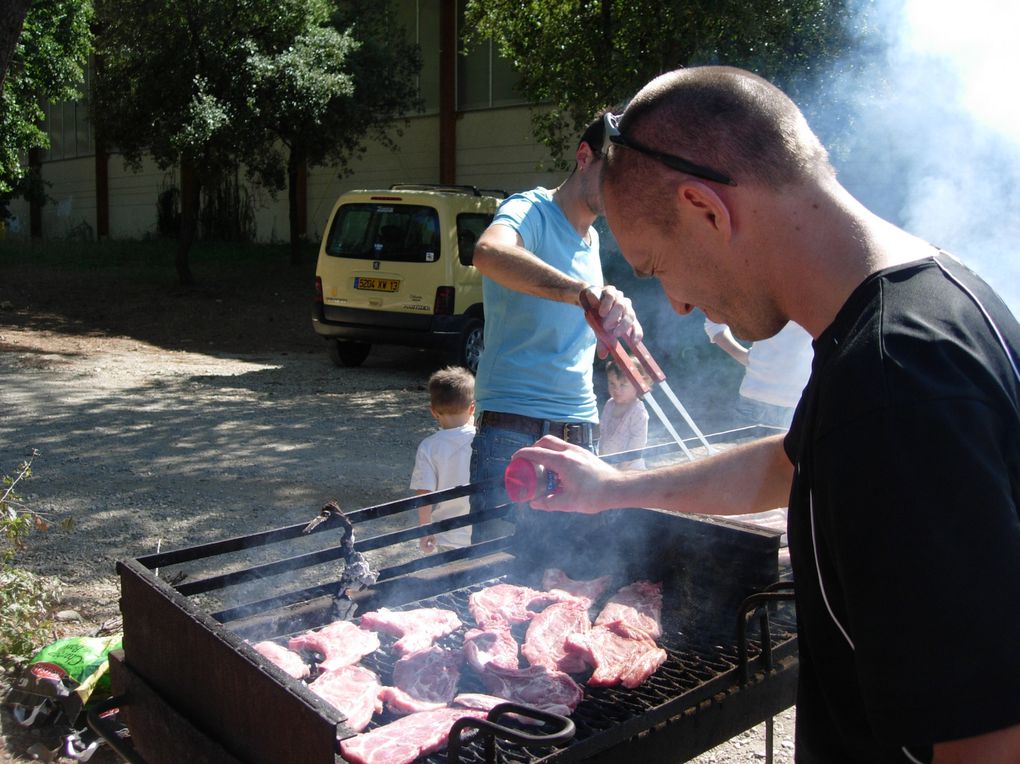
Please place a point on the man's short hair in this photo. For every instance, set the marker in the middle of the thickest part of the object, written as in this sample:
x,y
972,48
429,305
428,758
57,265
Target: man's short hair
x,y
595,134
452,390
720,117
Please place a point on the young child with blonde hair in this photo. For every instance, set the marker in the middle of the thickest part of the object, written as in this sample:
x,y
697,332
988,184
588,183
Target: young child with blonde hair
x,y
443,459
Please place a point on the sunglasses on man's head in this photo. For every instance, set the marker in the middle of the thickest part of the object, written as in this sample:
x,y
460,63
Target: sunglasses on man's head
x,y
614,136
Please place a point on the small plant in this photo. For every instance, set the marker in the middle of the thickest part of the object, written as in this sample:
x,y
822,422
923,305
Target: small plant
x,y
24,596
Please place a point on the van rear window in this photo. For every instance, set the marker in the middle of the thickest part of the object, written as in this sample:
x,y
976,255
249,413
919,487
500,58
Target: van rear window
x,y
397,233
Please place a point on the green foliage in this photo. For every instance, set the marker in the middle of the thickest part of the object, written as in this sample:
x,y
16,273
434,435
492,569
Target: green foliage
x,y
228,210
48,62
274,85
580,56
342,80
170,80
222,82
24,597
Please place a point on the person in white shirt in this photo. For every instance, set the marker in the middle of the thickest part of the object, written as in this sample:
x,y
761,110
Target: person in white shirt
x,y
443,459
777,369
624,420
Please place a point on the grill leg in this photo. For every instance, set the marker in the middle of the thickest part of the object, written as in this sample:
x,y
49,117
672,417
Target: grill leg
x,y
770,730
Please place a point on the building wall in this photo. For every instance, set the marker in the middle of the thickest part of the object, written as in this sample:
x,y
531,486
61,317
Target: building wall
x,y
133,197
495,149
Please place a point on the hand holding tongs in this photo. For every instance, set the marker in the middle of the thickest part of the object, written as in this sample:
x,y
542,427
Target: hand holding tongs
x,y
590,304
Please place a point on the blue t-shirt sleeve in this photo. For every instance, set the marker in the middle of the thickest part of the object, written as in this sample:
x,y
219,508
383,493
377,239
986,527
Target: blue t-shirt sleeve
x,y
521,214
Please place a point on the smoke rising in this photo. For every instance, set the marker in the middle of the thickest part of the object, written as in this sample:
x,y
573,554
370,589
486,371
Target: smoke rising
x,y
929,129
923,126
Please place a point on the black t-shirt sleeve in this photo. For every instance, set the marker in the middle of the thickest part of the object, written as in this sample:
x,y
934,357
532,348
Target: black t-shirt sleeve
x,y
919,519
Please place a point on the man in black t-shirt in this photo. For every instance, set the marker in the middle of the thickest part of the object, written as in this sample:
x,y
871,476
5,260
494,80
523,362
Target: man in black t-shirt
x,y
902,467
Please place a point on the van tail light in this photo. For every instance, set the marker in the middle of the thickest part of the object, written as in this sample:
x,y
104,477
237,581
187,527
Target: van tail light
x,y
318,290
444,301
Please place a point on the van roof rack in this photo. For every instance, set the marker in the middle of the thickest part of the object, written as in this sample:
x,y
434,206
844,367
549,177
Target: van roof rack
x,y
473,190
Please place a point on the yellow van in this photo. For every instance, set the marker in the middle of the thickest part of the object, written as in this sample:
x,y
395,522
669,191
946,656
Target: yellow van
x,y
394,268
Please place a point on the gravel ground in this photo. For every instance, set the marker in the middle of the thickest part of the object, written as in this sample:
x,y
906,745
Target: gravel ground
x,y
151,446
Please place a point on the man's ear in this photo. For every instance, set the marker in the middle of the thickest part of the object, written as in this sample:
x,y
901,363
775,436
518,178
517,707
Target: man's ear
x,y
584,154
701,200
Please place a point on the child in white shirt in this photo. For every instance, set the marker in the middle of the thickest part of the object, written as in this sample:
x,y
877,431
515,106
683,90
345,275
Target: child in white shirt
x,y
623,425
444,458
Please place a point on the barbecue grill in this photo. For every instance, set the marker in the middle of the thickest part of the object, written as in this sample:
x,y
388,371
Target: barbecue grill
x,y
191,688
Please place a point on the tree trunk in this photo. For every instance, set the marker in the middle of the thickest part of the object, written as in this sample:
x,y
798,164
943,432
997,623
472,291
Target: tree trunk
x,y
10,30
295,179
191,187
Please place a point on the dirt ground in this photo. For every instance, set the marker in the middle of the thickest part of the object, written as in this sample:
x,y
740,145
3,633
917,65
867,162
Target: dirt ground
x,y
166,417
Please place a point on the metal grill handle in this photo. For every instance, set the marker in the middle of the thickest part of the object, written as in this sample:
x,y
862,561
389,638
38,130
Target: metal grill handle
x,y
492,730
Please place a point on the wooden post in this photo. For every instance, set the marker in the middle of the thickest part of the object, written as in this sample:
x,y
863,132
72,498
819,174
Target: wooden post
x,y
102,194
447,92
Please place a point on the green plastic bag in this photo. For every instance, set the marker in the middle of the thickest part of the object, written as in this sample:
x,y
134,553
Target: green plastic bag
x,y
63,676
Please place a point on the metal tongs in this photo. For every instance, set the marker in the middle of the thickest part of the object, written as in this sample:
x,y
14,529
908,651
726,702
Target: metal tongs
x,y
357,574
590,303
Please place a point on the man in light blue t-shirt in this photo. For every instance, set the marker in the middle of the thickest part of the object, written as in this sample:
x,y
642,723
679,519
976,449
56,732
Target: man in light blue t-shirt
x,y
535,373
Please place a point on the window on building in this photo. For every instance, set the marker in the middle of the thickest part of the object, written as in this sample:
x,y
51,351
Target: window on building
x,y
485,79
68,125
420,20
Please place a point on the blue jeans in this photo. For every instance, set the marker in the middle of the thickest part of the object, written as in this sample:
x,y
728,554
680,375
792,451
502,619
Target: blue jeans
x,y
491,451
490,454
756,412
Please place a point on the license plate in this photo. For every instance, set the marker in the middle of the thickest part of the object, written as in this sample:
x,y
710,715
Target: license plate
x,y
376,285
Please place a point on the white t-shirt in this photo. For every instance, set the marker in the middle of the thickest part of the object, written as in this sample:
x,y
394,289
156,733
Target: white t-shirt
x,y
778,367
444,461
624,429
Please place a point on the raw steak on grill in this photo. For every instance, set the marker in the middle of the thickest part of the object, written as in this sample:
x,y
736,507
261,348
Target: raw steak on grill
x,y
638,605
417,629
341,643
554,578
478,700
354,690
545,642
405,739
535,686
503,605
424,680
496,646
619,653
486,703
286,659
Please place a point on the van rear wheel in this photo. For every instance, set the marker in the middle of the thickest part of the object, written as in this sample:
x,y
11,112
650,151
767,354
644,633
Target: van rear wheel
x,y
348,353
468,349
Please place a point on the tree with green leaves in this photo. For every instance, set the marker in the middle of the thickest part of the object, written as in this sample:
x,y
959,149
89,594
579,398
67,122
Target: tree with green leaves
x,y
170,84
44,47
273,85
321,99
579,56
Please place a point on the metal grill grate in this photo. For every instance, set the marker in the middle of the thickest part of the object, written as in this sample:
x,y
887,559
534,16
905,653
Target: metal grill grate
x,y
689,675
